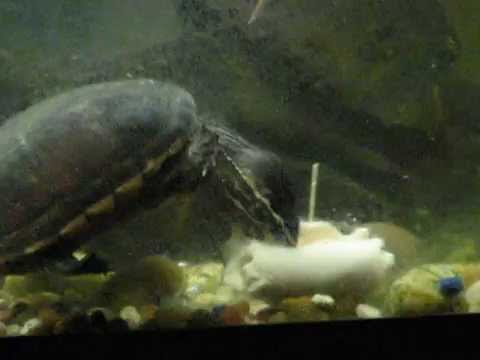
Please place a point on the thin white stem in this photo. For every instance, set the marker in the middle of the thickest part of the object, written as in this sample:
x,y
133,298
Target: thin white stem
x,y
257,11
313,192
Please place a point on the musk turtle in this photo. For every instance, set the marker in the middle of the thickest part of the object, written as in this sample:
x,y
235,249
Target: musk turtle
x,y
80,162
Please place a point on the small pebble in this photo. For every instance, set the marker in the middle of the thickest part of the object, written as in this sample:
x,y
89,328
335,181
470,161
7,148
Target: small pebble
x,y
13,330
75,323
30,325
148,312
3,329
265,314
232,317
302,309
451,286
49,317
4,304
19,307
6,296
6,315
21,312
98,321
131,316
324,301
217,311
257,305
243,307
279,317
61,308
365,311
96,311
235,314
472,296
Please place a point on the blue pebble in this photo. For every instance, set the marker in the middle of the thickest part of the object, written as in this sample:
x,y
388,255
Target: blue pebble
x,y
451,286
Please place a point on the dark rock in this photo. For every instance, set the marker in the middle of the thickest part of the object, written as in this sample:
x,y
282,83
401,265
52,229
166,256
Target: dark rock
x,y
77,323
203,319
99,321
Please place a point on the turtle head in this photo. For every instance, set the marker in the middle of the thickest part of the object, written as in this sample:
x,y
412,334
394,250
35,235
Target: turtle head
x,y
255,185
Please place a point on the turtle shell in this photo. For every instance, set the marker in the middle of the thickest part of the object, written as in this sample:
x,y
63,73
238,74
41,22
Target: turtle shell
x,y
72,160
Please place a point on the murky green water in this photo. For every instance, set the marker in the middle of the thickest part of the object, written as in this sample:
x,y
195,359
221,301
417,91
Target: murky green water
x,y
382,95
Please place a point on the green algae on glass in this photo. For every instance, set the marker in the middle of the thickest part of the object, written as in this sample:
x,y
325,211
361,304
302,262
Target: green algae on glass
x,y
394,54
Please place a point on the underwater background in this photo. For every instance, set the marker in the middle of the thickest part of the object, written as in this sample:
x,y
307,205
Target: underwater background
x,y
384,95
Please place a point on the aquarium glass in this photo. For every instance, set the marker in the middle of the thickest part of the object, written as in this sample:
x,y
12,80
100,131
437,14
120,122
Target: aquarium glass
x,y
176,164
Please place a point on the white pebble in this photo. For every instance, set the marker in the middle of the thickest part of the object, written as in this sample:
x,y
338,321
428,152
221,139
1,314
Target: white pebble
x,y
472,296
365,311
257,305
324,301
13,330
131,316
30,325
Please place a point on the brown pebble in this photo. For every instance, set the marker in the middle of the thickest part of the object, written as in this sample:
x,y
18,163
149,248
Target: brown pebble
x,y
59,327
49,317
235,314
148,312
4,304
243,308
264,315
6,315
